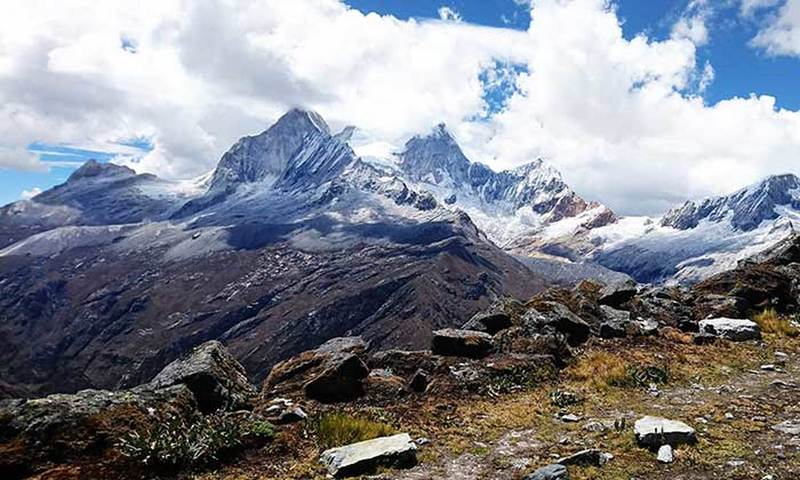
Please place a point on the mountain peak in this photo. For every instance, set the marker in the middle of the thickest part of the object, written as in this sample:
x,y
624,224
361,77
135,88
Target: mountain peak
x,y
298,118
434,157
746,208
93,168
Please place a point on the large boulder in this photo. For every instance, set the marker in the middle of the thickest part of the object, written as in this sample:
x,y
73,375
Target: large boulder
x,y
489,322
60,428
334,372
461,343
364,457
215,378
653,432
734,329
617,293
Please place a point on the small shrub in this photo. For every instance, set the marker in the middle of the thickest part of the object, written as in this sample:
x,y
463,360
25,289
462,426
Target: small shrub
x,y
337,429
644,375
599,369
177,444
561,398
261,430
771,322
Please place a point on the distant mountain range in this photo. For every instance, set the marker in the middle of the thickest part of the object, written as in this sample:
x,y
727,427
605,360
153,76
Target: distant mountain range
x,y
293,239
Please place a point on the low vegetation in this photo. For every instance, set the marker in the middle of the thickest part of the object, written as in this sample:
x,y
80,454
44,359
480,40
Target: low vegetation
x,y
599,369
336,429
772,323
177,443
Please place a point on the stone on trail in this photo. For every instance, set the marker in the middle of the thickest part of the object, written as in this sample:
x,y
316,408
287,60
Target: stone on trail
x,y
550,472
653,432
791,427
665,454
735,329
363,457
461,343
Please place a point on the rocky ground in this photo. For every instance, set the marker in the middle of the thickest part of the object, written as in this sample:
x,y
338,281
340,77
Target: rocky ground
x,y
721,390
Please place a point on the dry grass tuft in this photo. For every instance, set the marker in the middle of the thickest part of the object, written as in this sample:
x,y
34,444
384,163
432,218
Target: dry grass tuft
x,y
772,323
337,429
599,369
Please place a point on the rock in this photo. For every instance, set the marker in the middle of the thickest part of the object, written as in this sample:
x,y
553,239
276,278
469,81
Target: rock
x,y
292,415
731,329
595,426
355,345
665,454
217,380
790,427
570,418
590,457
616,293
715,305
332,373
340,380
419,381
461,343
79,426
559,318
653,432
647,327
703,338
488,322
363,457
550,472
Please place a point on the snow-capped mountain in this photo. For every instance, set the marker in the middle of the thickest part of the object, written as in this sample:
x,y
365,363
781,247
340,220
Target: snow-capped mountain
x,y
291,241
702,238
514,207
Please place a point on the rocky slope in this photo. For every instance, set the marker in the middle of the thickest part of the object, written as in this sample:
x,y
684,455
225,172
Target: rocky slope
x,y
293,241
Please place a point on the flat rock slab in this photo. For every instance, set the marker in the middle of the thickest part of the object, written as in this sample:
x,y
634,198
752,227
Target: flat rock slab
x,y
461,343
735,329
653,432
363,457
550,472
790,427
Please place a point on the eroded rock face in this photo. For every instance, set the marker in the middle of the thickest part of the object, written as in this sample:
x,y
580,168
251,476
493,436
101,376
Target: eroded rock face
x,y
734,329
363,457
461,343
332,373
215,378
653,432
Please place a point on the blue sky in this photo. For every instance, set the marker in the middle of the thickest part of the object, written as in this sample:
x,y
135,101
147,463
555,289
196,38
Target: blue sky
x,y
185,111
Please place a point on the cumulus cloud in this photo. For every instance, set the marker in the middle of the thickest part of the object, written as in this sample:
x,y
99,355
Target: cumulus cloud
x,y
621,117
781,35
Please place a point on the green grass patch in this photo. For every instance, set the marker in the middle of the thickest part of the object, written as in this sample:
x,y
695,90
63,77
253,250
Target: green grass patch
x,y
337,429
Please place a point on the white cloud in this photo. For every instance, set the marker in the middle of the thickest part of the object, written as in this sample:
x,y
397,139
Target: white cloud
x,y
749,7
20,159
28,194
781,35
620,117
449,15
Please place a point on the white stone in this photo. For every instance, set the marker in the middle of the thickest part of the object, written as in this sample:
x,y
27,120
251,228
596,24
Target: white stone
x,y
791,427
354,459
654,432
731,328
665,454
